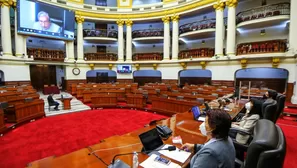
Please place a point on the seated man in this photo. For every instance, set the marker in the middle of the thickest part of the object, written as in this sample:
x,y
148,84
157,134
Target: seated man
x,y
52,102
44,23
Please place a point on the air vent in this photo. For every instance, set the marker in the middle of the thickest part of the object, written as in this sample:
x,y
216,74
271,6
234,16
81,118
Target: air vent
x,y
87,7
113,9
135,9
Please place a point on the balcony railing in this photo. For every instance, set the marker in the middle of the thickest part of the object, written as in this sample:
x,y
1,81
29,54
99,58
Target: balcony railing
x,y
264,12
196,53
272,46
198,25
100,33
147,56
100,57
147,33
45,54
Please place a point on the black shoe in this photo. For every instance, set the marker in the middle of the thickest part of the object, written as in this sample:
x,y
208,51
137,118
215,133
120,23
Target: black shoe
x,y
56,109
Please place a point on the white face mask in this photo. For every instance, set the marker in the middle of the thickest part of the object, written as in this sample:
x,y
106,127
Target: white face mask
x,y
248,107
203,129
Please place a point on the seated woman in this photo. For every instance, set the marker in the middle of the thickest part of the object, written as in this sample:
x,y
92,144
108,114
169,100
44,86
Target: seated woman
x,y
248,121
219,151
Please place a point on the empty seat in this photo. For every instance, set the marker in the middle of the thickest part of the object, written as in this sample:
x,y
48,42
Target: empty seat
x,y
194,93
215,94
200,100
179,97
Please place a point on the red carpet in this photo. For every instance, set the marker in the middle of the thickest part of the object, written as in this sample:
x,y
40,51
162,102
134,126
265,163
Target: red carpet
x,y
63,134
290,129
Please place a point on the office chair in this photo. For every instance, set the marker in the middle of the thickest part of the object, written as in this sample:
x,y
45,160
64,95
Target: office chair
x,y
267,149
179,97
281,99
270,111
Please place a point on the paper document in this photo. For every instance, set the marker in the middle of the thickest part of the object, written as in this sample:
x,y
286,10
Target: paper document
x,y
178,155
151,163
201,119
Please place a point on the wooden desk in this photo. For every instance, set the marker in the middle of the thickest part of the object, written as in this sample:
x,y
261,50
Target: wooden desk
x,y
181,124
104,100
2,123
66,102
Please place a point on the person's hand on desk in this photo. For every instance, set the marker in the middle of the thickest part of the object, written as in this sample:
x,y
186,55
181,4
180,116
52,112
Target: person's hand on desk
x,y
188,147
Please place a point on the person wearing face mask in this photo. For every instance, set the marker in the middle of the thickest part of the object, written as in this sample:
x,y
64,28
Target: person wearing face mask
x,y
270,94
219,151
248,121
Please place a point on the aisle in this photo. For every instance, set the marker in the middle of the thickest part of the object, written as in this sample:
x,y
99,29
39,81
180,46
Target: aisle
x,y
76,105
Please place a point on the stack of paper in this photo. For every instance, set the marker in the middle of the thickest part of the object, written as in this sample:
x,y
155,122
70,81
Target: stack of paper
x,y
178,155
151,163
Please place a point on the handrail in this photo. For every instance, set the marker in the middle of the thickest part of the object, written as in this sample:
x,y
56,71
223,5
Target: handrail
x,y
147,33
196,53
263,12
259,47
199,25
147,56
100,33
100,57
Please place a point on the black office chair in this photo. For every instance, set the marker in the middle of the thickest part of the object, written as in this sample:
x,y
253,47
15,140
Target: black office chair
x,y
179,97
3,105
270,111
281,100
267,149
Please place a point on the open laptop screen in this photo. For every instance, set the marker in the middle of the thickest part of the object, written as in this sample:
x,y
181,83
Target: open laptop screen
x,y
196,112
151,140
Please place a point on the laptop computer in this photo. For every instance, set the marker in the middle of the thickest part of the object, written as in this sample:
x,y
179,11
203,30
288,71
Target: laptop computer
x,y
197,114
151,141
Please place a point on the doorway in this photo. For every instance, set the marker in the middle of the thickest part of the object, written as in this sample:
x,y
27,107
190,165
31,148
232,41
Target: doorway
x,y
102,77
43,75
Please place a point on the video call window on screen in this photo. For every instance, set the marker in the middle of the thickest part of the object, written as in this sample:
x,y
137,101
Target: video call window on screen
x,y
36,18
124,69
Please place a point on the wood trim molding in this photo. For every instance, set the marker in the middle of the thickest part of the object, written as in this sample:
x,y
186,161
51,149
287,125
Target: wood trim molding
x,y
17,83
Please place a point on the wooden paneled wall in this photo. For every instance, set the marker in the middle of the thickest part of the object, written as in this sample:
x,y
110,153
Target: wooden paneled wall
x,y
276,84
289,91
229,83
195,80
169,81
17,83
146,79
96,80
69,82
42,75
125,80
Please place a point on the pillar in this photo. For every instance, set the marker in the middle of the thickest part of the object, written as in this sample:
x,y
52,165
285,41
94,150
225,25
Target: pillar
x,y
175,36
69,50
129,24
293,28
220,28
293,43
5,27
19,49
120,24
231,32
80,40
24,40
166,45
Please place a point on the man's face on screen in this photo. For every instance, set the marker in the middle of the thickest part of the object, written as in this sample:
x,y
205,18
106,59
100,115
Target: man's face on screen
x,y
44,22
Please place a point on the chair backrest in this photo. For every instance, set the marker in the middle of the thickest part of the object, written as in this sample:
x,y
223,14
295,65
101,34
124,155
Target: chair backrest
x,y
3,105
200,100
179,97
266,103
164,96
281,99
268,147
28,99
270,111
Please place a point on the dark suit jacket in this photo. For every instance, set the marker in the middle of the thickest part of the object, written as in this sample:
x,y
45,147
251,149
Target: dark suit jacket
x,y
219,154
50,100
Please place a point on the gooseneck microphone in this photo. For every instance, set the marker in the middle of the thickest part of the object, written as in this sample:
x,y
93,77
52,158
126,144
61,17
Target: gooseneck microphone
x,y
112,165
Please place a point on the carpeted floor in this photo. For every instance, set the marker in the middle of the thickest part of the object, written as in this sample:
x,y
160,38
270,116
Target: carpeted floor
x,y
66,133
62,134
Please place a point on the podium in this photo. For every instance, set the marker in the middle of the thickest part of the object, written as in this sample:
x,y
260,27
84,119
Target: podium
x,y
66,102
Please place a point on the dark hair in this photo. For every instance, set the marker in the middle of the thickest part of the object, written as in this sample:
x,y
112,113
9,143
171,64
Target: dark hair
x,y
220,120
257,107
272,94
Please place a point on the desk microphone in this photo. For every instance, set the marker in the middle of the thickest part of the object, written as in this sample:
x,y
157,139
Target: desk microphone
x,y
120,164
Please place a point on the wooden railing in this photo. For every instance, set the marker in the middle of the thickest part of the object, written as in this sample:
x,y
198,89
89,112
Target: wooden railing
x,y
196,53
147,33
100,33
45,54
147,56
272,46
100,56
264,12
198,25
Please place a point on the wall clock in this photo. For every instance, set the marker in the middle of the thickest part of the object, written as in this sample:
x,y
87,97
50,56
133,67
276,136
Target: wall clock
x,y
76,71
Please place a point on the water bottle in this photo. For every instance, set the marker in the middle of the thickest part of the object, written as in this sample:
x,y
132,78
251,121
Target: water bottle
x,y
135,160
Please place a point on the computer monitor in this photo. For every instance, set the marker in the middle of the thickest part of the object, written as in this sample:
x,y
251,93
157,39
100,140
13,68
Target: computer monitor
x,y
196,112
151,140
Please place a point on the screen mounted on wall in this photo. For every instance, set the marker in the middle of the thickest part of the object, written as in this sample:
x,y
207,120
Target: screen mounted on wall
x,y
124,69
36,18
